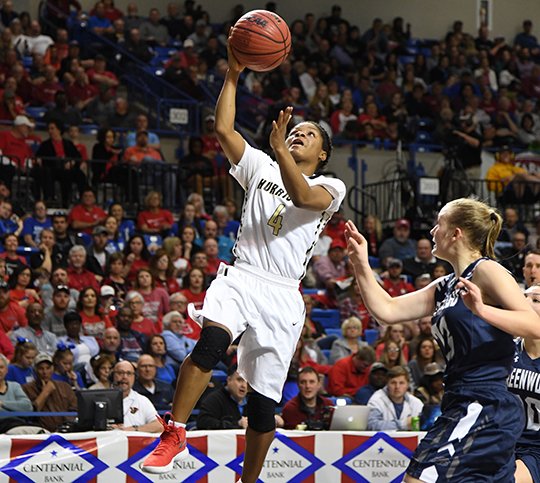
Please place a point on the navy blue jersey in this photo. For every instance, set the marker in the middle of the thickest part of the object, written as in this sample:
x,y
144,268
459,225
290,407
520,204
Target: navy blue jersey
x,y
525,382
474,350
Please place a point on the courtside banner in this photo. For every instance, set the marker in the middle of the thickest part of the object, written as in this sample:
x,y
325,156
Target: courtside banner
x,y
215,457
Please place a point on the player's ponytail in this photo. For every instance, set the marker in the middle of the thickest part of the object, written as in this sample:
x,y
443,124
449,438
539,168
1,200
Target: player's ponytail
x,y
495,226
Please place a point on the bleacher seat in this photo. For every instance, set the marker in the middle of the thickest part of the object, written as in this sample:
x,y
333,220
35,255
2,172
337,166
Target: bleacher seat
x,y
371,335
35,112
221,376
85,238
326,353
374,262
334,331
328,318
424,137
314,291
406,59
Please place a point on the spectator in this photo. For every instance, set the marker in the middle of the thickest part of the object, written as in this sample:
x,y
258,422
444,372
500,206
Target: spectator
x,y
511,225
10,223
21,287
112,343
78,276
137,256
97,257
61,111
137,46
115,240
511,182
392,355
392,408
224,407
132,19
197,168
394,282
102,365
513,257
131,342
12,315
422,262
156,299
173,248
21,369
157,348
98,21
86,215
350,373
64,240
80,93
35,223
163,271
123,116
350,341
44,340
58,160
48,395
59,277
400,245
225,243
328,269
195,291
154,219
12,397
159,393
153,31
178,345
86,346
526,39
106,151
431,387
378,377
395,333
141,124
36,42
94,322
211,249
172,21
13,261
125,227
308,407
100,77
14,144
63,367
139,412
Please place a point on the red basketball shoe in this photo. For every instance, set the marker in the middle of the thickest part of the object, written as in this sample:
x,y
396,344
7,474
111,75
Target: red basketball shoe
x,y
172,447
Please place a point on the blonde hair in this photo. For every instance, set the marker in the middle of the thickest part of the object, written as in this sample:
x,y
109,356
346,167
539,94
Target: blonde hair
x,y
350,322
480,223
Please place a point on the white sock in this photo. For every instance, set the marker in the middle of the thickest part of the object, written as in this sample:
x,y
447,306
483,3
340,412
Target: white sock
x,y
177,424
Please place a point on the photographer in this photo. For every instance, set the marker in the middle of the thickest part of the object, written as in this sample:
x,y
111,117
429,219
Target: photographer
x,y
308,407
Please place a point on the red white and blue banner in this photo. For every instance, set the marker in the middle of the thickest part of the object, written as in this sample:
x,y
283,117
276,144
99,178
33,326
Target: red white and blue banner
x,y
215,457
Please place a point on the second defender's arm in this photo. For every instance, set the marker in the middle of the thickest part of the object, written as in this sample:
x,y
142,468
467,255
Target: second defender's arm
x,y
231,141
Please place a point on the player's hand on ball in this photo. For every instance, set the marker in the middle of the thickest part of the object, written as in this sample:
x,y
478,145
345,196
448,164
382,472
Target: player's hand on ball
x,y
357,246
279,128
232,61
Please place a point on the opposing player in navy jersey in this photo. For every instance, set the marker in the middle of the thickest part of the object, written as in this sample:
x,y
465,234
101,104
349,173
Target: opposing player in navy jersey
x,y
474,315
525,382
286,206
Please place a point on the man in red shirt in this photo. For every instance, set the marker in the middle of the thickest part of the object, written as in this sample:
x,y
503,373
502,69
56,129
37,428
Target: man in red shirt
x,y
86,215
351,373
15,145
395,283
45,88
211,248
100,76
78,276
135,155
80,93
308,407
12,315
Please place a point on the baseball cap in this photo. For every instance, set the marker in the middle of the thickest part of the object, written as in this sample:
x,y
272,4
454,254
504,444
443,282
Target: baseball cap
x,y
188,43
338,243
62,288
107,291
402,222
432,369
99,230
394,262
42,357
22,121
210,117
378,366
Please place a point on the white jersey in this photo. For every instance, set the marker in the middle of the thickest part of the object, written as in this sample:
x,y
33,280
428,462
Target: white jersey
x,y
275,235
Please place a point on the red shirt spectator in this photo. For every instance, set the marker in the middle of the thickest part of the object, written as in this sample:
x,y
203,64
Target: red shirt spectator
x,y
395,283
154,221
6,347
79,280
350,373
295,412
85,216
15,142
95,325
12,315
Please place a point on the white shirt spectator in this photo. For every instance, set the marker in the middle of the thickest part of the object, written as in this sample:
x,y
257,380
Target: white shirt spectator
x,y
138,410
382,413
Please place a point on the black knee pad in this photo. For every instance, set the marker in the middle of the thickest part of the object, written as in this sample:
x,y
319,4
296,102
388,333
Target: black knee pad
x,y
211,347
260,412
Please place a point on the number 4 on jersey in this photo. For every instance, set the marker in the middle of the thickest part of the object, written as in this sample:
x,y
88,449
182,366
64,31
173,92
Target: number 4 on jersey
x,y
276,220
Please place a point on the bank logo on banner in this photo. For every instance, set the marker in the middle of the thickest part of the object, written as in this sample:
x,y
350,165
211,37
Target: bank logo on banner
x,y
288,460
380,459
54,460
190,470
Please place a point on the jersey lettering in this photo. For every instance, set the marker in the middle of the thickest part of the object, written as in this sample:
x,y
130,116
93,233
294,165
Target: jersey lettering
x,y
532,410
276,220
444,338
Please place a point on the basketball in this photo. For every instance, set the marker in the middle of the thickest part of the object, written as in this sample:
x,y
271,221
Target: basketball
x,y
260,40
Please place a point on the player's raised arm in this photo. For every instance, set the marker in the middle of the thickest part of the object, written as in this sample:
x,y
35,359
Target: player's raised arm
x,y
381,305
300,153
231,141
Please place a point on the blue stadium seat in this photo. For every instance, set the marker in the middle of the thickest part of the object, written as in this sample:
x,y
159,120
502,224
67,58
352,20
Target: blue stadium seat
x,y
85,238
424,137
406,59
35,112
371,335
334,331
326,353
328,318
374,262
221,376
314,291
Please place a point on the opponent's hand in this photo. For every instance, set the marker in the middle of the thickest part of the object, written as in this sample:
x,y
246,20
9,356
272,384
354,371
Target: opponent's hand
x,y
232,61
471,295
279,128
357,245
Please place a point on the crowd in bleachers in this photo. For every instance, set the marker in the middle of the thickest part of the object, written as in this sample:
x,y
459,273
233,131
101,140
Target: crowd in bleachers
x,y
85,286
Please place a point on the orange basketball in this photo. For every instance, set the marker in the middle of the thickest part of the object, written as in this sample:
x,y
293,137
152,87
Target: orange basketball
x,y
260,40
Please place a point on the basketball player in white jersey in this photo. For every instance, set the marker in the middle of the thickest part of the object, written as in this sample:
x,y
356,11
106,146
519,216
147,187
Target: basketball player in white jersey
x,y
287,204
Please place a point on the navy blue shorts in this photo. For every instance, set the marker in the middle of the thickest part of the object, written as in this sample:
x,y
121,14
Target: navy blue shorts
x,y
473,440
531,459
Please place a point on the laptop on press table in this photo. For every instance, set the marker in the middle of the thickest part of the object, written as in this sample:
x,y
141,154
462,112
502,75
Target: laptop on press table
x,y
349,418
